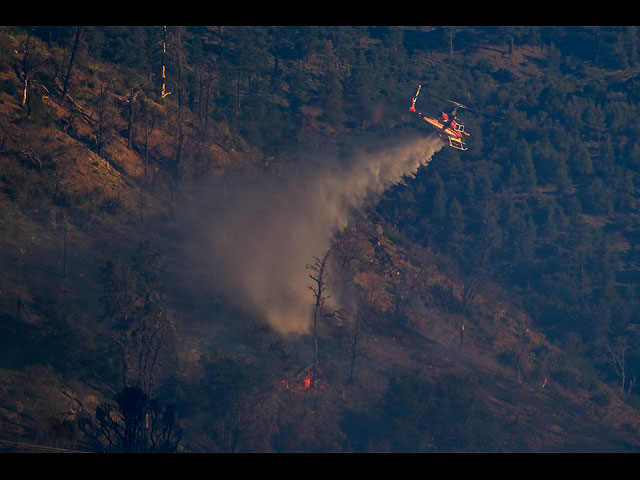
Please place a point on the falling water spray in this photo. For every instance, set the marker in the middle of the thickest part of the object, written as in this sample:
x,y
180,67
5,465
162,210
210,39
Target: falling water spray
x,y
262,233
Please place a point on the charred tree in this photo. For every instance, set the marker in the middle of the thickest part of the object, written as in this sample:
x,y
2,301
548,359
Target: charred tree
x,y
134,424
617,351
355,342
26,70
33,59
150,114
319,288
104,128
133,94
164,92
67,77
134,304
480,266
179,65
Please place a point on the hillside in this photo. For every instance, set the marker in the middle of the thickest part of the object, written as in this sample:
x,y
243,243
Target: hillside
x,y
162,238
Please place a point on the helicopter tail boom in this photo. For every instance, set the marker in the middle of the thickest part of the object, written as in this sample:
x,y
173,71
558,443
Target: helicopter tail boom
x,y
413,101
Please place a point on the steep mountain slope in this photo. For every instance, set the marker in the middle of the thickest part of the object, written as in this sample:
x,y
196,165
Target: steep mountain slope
x,y
397,374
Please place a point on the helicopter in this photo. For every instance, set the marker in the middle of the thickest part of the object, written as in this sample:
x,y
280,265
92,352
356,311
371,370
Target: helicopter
x,y
447,126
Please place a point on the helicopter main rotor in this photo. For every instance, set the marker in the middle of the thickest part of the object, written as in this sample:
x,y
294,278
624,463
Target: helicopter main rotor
x,y
457,105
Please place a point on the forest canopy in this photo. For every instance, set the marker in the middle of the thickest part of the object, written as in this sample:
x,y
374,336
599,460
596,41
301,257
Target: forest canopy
x,y
543,206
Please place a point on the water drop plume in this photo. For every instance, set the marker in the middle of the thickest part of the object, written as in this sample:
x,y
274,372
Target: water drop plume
x,y
262,233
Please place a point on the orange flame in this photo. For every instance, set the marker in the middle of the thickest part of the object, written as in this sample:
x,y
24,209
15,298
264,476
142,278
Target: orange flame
x,y
305,385
306,382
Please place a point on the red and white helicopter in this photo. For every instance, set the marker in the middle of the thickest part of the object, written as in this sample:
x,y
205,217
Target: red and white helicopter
x,y
447,126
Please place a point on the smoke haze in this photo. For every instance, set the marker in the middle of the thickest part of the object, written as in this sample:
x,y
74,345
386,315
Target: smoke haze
x,y
262,233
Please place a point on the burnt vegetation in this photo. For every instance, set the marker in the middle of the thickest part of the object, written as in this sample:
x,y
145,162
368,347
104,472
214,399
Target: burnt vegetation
x,y
494,297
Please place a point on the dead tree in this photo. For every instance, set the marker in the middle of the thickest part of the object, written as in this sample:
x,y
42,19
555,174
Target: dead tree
x,y
319,289
67,78
133,94
150,115
134,424
26,73
177,57
355,342
164,92
617,352
480,267
522,349
32,59
134,304
549,362
104,129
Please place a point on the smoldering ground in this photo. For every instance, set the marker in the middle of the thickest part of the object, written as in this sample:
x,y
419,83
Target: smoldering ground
x,y
259,234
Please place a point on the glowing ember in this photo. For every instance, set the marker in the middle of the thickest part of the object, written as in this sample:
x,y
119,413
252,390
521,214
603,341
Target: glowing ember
x,y
300,382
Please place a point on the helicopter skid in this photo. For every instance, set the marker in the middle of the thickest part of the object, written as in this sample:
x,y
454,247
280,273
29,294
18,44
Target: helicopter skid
x,y
453,142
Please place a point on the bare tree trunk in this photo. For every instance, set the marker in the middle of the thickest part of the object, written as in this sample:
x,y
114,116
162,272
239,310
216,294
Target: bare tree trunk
x,y
177,56
164,92
206,105
141,202
597,52
522,348
149,124
147,133
123,365
470,290
319,287
354,343
617,351
18,307
132,98
65,85
26,69
237,93
64,251
101,118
